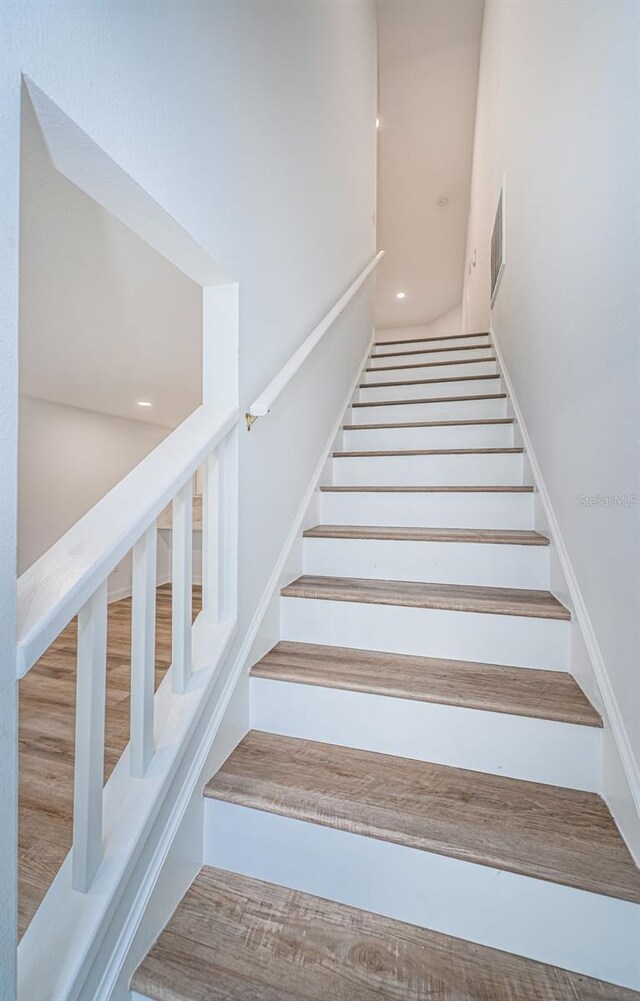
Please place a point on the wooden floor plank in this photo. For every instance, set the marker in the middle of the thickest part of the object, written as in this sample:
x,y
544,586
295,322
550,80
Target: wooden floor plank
x,y
552,695
47,740
234,938
416,594
486,536
560,835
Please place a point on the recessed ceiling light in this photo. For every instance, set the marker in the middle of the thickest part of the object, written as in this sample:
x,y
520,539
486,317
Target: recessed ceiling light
x,y
401,295
144,403
442,202
377,123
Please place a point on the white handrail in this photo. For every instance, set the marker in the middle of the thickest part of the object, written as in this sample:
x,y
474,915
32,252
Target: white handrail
x,y
262,405
59,584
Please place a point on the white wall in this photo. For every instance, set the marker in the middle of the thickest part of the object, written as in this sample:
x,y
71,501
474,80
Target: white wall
x,y
68,459
105,320
447,325
558,114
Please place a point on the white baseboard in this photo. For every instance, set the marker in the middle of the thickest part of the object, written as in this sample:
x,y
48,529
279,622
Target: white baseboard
x,y
125,591
612,713
191,783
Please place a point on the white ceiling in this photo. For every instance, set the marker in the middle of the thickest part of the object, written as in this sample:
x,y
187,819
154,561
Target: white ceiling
x,y
428,72
105,320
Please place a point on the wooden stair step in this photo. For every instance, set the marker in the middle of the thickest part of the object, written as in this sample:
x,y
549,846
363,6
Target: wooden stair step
x,y
545,832
429,424
525,489
423,382
428,451
431,351
234,938
419,340
551,695
496,536
416,594
430,364
431,399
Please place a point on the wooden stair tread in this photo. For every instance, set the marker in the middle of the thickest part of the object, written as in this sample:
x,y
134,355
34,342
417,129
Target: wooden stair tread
x,y
523,489
416,594
429,451
429,424
497,536
431,351
546,832
431,399
449,337
422,382
234,938
551,695
429,364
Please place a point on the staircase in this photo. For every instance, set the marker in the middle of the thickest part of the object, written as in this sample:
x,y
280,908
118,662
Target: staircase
x,y
415,811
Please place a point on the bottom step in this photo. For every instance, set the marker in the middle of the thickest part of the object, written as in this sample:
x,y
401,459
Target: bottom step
x,y
233,938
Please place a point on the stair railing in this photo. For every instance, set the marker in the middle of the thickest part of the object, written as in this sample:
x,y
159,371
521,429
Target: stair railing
x,y
263,403
71,579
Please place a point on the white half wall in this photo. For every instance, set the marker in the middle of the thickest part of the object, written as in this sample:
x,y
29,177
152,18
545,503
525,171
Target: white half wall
x,y
557,115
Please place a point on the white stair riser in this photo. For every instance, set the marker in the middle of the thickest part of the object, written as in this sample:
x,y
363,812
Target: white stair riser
x,y
428,390
435,343
574,929
518,641
456,410
428,510
452,436
486,565
418,358
535,750
486,469
431,372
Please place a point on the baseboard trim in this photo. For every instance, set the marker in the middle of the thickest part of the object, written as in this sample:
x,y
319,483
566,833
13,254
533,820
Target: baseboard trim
x,y
189,784
612,710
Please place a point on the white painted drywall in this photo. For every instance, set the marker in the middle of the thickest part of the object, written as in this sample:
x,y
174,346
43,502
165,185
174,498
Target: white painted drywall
x,y
558,114
428,78
447,325
68,459
105,320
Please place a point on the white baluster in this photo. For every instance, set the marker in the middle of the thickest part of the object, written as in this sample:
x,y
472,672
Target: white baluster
x,y
211,537
181,586
220,531
143,651
89,754
228,527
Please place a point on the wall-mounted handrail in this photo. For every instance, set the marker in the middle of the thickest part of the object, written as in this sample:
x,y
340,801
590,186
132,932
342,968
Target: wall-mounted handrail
x,y
262,405
59,584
